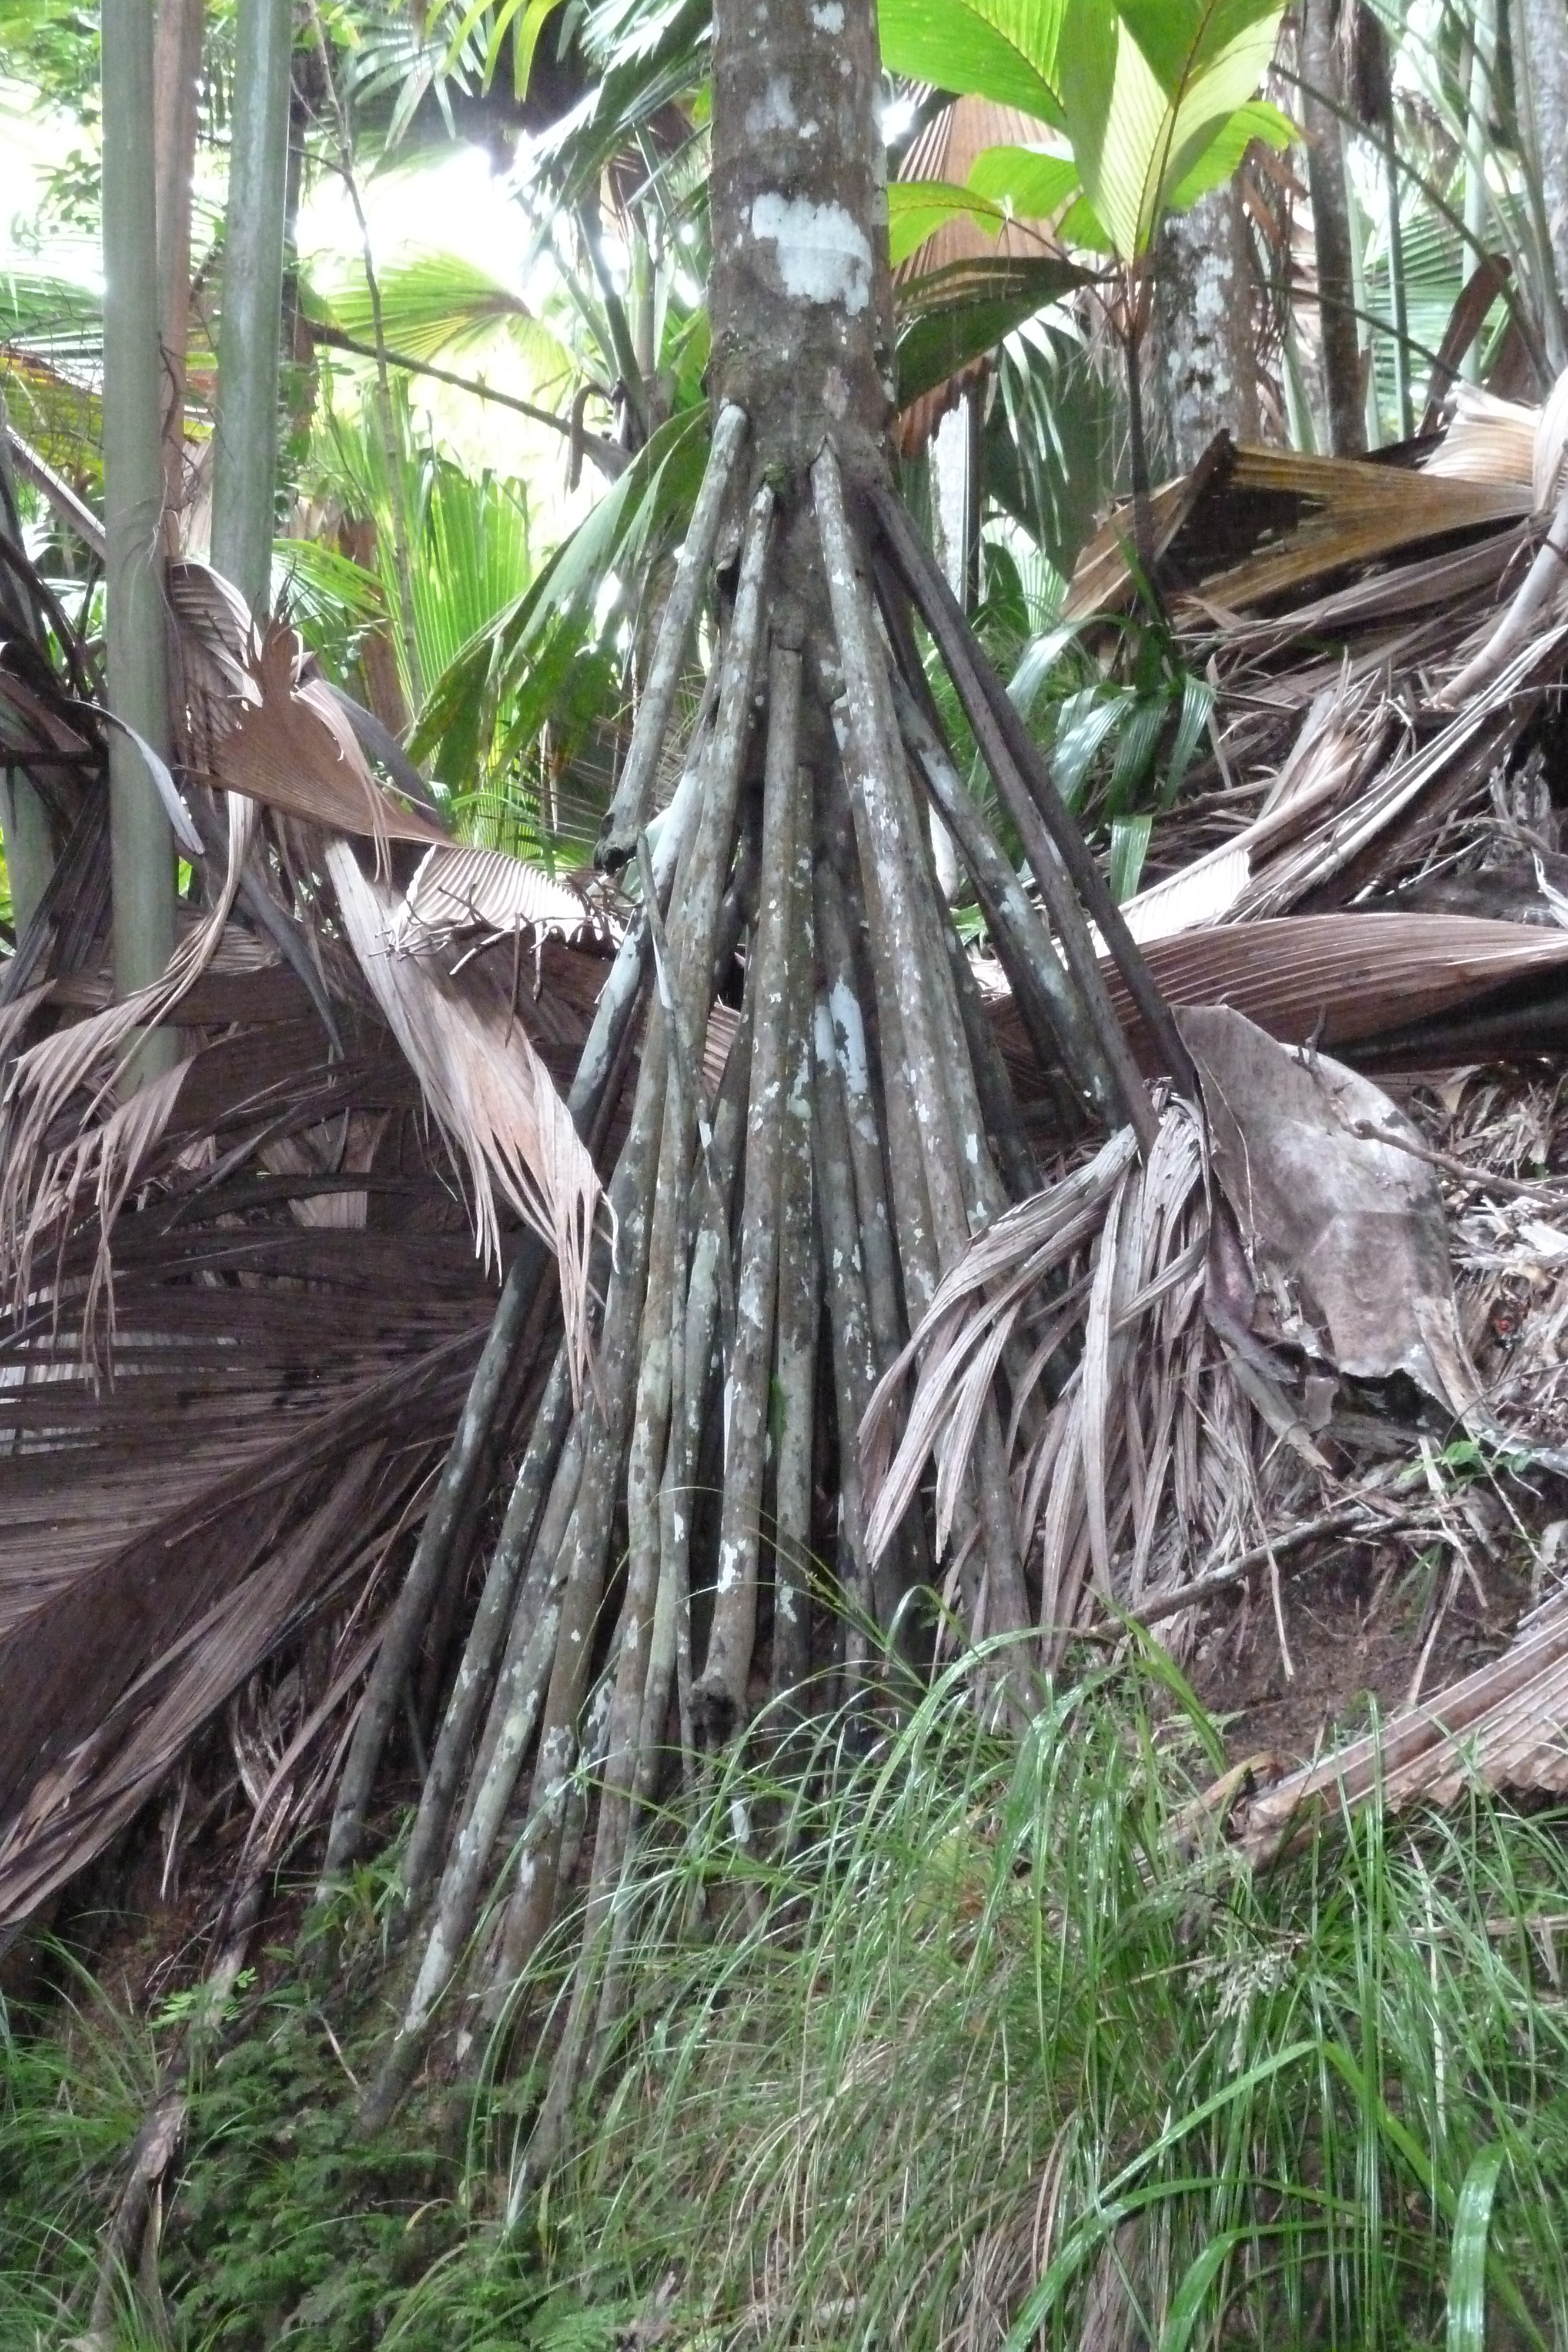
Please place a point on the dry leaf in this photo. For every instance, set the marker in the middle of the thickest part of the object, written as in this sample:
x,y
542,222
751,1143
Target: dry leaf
x,y
1346,1239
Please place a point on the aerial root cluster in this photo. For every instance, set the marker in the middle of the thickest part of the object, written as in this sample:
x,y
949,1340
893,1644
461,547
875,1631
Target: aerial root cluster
x,y
806,1206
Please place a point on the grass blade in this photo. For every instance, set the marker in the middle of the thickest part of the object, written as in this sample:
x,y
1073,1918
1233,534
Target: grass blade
x,y
1468,2260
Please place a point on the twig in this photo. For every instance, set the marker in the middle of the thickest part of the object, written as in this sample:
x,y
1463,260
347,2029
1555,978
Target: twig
x,y
1512,1187
1171,1604
610,459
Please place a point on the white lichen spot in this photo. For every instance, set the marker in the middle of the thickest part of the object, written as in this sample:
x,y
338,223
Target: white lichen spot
x,y
828,16
824,255
774,110
851,1030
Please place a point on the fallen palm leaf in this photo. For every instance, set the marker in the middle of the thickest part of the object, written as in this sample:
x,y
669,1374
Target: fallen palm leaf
x,y
1263,524
1339,736
1152,1455
1341,978
1506,443
462,890
488,1090
1144,1462
41,1181
1345,1235
289,745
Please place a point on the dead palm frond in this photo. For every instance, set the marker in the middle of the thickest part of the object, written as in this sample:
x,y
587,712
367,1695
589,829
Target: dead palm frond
x,y
487,1091
1165,1313
1255,526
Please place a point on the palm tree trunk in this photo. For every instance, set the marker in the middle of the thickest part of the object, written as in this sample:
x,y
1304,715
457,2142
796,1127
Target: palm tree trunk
x,y
245,460
1540,48
1322,79
806,733
141,846
1207,366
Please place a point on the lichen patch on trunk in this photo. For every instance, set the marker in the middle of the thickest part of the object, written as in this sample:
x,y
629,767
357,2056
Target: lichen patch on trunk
x,y
824,255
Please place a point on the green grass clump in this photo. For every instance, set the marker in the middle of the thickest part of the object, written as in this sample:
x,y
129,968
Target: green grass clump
x,y
975,2041
1008,2052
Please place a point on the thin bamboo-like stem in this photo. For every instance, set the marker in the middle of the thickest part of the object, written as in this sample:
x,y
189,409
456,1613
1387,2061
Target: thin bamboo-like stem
x,y
406,1619
25,825
1050,838
1479,100
141,844
718,1697
598,1063
486,1636
909,1150
885,866
710,1289
1399,291
999,1104
628,811
623,347
1046,999
800,1281
985,1195
1007,1606
245,458
645,1471
29,846
560,1635
855,1370
960,1180
177,65
532,1904
848,1028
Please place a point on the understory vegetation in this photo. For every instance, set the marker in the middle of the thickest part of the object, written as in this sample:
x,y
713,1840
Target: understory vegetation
x,y
957,2042
783,1175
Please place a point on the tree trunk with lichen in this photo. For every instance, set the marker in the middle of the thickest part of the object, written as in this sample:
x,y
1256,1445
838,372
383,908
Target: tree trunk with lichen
x,y
1206,362
852,1149
1541,38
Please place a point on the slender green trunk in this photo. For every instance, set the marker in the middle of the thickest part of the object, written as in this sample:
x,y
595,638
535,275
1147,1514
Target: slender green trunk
x,y
1478,138
386,416
177,65
1398,301
1321,99
30,849
142,849
24,828
245,459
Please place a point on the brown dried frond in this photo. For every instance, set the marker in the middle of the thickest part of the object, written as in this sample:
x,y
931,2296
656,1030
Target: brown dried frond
x,y
486,1088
